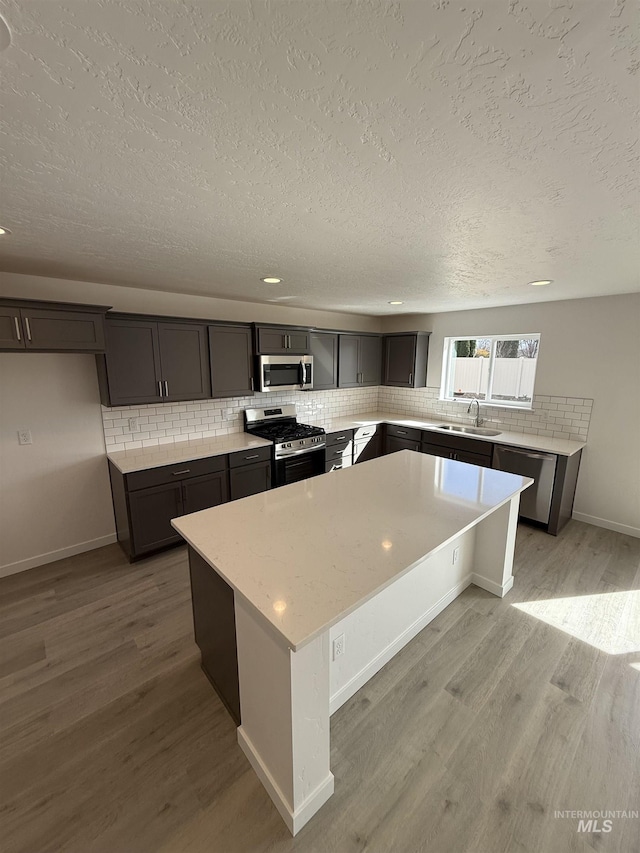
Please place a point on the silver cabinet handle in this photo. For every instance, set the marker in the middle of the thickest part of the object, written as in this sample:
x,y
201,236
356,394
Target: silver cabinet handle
x,y
251,380
255,456
340,437
178,473
166,388
160,388
411,379
402,432
17,322
28,327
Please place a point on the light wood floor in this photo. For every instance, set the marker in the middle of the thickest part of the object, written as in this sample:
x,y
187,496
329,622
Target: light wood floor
x,y
113,740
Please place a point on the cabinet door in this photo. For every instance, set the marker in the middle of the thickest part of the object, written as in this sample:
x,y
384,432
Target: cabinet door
x,y
184,362
370,360
76,331
399,360
367,448
151,511
231,361
204,492
282,341
392,444
11,332
132,362
436,450
324,349
271,341
348,364
458,455
299,341
249,480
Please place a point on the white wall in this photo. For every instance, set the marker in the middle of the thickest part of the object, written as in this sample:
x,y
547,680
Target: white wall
x,y
176,304
55,498
589,348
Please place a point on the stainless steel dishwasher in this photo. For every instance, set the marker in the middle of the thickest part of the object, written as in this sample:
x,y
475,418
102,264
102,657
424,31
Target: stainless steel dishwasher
x,y
535,502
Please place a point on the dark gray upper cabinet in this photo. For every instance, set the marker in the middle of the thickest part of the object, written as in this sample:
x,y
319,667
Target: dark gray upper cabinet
x,y
51,327
360,360
184,362
148,361
324,349
404,362
231,361
282,340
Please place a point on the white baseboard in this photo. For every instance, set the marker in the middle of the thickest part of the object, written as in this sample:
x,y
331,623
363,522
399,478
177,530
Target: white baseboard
x,y
627,529
60,554
360,679
492,586
294,820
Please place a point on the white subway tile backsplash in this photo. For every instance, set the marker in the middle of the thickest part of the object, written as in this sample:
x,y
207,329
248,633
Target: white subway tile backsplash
x,y
560,417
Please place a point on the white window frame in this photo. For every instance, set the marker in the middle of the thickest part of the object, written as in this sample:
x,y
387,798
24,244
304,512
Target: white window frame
x,y
448,363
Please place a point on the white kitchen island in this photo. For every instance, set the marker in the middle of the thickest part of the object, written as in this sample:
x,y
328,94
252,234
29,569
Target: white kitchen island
x,y
329,578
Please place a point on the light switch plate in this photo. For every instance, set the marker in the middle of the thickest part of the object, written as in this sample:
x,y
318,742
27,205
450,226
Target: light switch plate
x,y
24,436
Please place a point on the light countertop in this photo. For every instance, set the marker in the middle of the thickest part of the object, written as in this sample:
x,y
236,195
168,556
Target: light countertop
x,y
140,459
307,554
563,447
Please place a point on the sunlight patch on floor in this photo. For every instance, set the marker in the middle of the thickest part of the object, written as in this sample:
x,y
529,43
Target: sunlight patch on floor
x,y
609,621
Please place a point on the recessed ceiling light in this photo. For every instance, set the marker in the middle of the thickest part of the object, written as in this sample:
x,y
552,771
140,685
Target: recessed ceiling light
x,y
271,280
541,283
4,230
396,303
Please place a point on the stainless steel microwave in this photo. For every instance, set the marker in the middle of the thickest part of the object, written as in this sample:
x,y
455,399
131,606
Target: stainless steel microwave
x,y
285,372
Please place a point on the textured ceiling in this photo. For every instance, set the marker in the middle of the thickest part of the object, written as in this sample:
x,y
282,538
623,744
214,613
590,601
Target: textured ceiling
x,y
441,153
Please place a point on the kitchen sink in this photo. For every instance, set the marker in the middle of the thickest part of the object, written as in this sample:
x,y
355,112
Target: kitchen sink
x,y
472,430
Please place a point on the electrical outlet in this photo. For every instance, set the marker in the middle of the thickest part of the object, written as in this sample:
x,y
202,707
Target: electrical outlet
x,y
133,425
338,646
456,555
24,436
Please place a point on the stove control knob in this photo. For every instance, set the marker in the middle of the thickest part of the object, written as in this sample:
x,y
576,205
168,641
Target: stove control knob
x,y
301,441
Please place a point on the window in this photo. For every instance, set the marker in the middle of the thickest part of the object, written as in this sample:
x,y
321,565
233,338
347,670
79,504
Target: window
x,y
499,369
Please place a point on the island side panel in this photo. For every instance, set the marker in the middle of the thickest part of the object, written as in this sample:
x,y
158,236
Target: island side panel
x,y
382,626
285,730
215,631
495,545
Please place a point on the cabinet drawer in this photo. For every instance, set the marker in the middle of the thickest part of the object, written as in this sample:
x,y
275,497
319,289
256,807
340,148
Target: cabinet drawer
x,y
408,433
250,457
458,455
340,453
172,473
456,442
340,437
365,432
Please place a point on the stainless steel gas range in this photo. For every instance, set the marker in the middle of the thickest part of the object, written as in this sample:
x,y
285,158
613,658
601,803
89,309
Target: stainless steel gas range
x,y
298,449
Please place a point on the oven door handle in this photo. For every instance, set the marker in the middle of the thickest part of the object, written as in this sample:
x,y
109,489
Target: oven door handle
x,y
300,452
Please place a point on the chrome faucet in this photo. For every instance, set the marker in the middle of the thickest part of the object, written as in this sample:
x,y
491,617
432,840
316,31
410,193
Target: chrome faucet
x,y
477,420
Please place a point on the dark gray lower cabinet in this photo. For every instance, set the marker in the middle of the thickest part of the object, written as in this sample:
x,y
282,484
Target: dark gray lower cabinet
x,y
151,511
401,438
367,444
459,455
214,622
474,451
204,492
250,480
144,502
